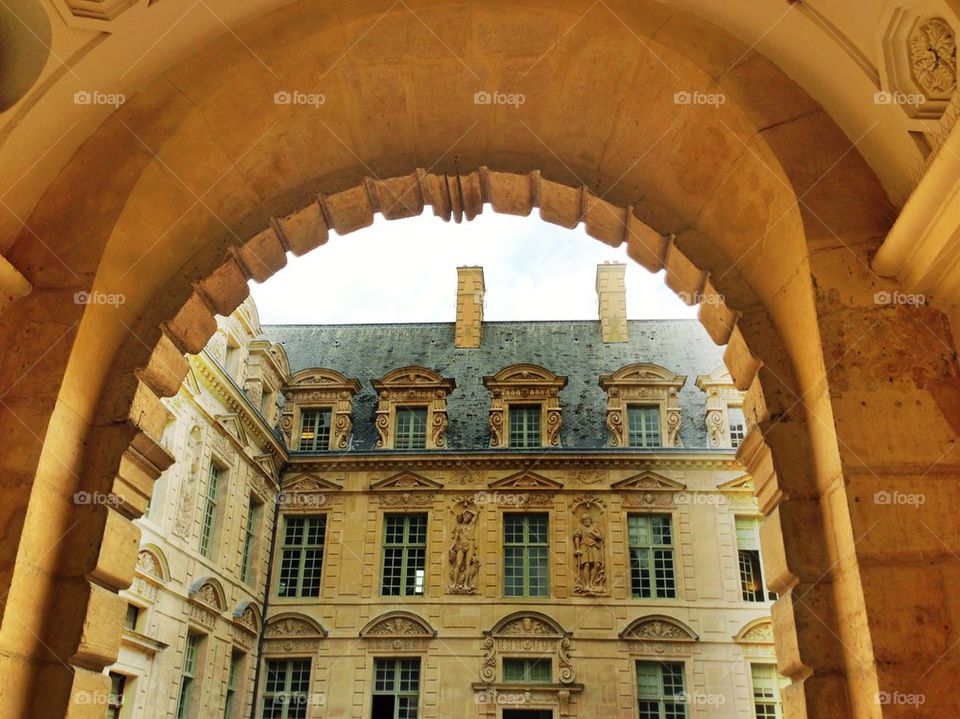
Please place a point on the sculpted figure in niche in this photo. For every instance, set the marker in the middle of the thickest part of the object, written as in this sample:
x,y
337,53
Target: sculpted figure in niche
x,y
464,564
588,550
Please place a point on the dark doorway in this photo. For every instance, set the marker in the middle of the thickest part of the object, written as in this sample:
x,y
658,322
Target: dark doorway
x,y
527,714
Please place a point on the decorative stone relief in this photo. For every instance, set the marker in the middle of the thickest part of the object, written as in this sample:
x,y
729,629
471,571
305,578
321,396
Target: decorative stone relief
x,y
525,384
589,546
188,486
648,489
645,384
721,394
658,634
933,57
715,427
319,388
405,489
416,387
293,632
397,631
462,555
526,633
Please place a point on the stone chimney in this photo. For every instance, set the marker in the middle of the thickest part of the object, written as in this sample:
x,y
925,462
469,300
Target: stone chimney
x,y
612,301
470,290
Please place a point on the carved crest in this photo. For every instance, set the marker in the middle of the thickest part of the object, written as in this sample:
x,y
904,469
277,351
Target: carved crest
x,y
293,626
398,624
209,592
658,628
759,631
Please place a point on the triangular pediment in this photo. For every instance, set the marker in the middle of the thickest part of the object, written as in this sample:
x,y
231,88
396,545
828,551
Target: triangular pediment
x,y
268,464
309,483
525,480
233,425
190,380
740,484
405,481
649,481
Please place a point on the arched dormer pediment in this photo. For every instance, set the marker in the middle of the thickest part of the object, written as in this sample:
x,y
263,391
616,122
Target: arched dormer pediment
x,y
647,387
523,385
209,592
420,396
398,625
313,393
247,616
658,628
527,624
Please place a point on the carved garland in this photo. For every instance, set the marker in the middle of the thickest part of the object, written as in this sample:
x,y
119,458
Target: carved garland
x,y
418,387
525,384
643,384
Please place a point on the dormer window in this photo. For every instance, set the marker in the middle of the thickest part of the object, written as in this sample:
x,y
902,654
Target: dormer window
x,y
316,410
525,407
725,420
643,406
412,409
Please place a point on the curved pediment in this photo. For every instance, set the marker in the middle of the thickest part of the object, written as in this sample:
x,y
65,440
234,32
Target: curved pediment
x,y
247,615
308,483
759,631
291,625
412,374
209,592
659,628
525,374
151,562
398,624
527,624
323,377
642,373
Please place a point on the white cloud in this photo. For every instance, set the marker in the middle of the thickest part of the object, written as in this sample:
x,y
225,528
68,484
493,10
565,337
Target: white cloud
x,y
405,271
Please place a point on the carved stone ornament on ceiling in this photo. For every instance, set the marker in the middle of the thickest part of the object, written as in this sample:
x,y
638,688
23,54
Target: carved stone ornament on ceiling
x,y
526,633
933,57
648,384
523,384
417,387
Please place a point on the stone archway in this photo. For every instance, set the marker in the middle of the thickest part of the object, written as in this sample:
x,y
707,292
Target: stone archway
x,y
762,201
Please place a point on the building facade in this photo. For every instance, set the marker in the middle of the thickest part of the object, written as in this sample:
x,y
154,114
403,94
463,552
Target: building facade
x,y
508,520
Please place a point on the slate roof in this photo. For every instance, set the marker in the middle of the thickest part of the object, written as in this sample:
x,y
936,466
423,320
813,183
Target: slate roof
x,y
566,348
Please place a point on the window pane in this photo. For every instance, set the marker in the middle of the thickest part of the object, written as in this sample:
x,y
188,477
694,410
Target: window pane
x,y
525,425
660,690
396,688
411,432
652,570
738,425
315,430
301,556
404,555
208,527
526,566
643,426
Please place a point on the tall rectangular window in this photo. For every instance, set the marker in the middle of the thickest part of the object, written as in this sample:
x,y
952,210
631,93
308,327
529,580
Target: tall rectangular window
x,y
188,675
396,688
643,426
315,430
404,555
118,683
249,537
526,569
411,431
233,677
660,693
301,555
208,529
524,425
738,425
132,619
651,556
751,566
766,691
528,671
286,691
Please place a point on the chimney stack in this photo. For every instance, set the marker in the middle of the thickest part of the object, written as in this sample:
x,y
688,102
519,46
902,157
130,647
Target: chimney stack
x,y
470,291
612,301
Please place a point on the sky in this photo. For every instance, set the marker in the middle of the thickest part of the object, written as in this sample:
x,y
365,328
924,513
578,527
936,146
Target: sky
x,y
405,271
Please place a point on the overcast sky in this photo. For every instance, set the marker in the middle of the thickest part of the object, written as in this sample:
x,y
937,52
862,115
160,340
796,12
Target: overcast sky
x,y
405,271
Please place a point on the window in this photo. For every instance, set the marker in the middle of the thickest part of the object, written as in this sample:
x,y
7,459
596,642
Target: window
x,y
660,692
404,555
766,691
209,527
315,430
118,683
526,572
411,428
301,556
132,619
249,537
231,358
738,425
525,425
236,659
286,693
527,671
651,556
396,688
751,567
188,675
643,426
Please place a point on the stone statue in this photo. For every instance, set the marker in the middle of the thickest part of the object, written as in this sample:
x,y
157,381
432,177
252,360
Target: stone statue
x,y
588,550
464,564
